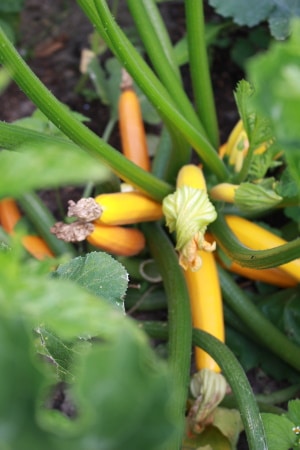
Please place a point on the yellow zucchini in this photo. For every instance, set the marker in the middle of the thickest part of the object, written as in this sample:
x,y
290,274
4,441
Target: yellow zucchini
x,y
118,240
258,238
203,284
123,208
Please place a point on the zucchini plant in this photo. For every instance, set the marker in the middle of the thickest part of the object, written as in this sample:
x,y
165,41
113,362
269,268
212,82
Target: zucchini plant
x,y
64,314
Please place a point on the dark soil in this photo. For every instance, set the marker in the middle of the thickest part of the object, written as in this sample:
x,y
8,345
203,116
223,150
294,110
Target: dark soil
x,y
52,35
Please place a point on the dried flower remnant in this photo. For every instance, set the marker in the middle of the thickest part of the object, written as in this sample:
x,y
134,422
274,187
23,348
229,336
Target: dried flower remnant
x,y
86,209
73,232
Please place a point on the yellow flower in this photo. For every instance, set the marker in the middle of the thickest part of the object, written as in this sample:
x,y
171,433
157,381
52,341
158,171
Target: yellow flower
x,y
188,212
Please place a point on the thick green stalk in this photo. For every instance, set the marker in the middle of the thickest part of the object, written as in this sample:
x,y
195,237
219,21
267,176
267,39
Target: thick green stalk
x,y
75,130
258,259
263,330
199,68
43,220
155,37
155,91
160,51
179,319
233,373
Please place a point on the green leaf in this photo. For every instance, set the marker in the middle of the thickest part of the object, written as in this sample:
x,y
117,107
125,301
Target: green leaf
x,y
59,352
256,125
277,12
279,432
97,76
283,13
39,165
287,186
276,78
250,197
122,393
114,68
210,439
21,383
40,123
294,411
229,422
292,318
7,27
244,12
251,354
100,274
11,6
277,97
59,305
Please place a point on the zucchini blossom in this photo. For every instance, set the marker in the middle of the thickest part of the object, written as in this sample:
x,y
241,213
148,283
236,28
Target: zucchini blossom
x,y
188,212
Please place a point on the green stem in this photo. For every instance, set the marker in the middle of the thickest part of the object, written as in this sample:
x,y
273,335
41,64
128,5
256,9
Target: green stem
x,y
75,130
155,329
240,386
179,318
155,38
243,173
105,136
199,68
43,220
160,51
258,259
146,302
230,402
263,330
233,373
156,92
281,396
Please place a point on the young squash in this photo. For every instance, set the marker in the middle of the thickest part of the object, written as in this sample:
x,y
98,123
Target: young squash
x,y
256,237
203,284
10,215
117,240
132,130
123,208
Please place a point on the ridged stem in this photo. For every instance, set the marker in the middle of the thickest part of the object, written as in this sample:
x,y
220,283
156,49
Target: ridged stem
x,y
234,375
258,259
75,130
199,68
155,91
263,330
179,321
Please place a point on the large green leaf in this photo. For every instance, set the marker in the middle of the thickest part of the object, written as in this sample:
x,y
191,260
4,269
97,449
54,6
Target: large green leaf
x,y
62,306
42,165
100,274
252,12
122,393
21,383
294,411
276,78
244,12
11,6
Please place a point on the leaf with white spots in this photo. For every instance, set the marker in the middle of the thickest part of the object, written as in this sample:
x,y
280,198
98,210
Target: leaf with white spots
x,y
100,274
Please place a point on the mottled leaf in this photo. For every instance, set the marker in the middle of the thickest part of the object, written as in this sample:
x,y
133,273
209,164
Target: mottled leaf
x,y
100,274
